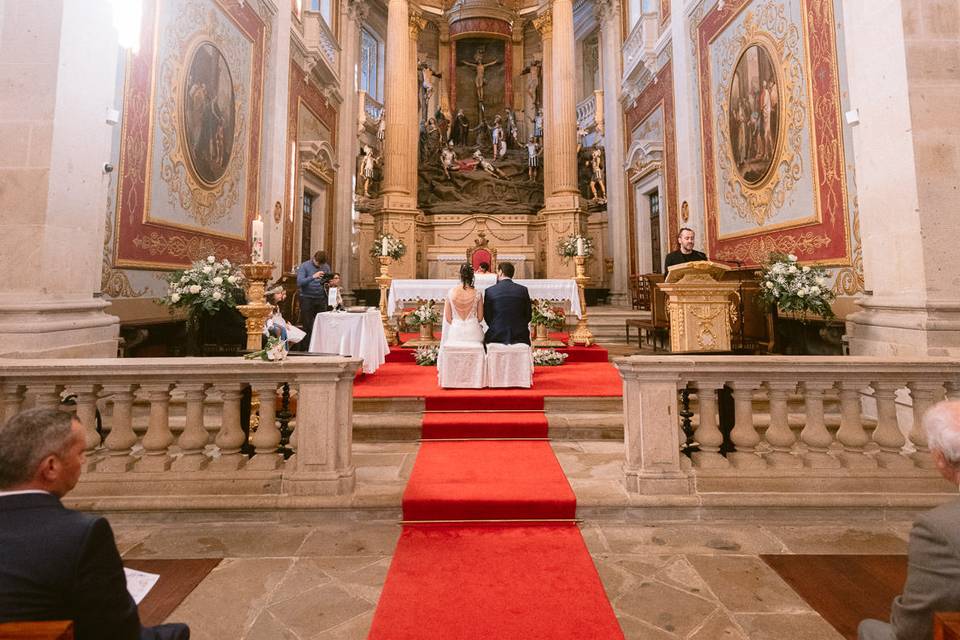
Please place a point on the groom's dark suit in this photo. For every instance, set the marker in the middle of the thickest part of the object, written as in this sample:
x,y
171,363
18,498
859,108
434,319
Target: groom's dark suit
x,y
60,564
506,309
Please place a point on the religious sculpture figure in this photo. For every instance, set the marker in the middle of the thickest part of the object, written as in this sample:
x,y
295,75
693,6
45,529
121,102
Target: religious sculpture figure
x,y
598,181
382,127
443,126
498,139
448,160
483,130
533,158
427,86
513,132
479,67
538,125
368,165
461,128
581,134
533,82
484,164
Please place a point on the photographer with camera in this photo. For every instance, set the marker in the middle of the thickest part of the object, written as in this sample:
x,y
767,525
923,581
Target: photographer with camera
x,y
312,276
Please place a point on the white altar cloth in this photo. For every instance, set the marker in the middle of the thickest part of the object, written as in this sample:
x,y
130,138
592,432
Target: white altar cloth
x,y
351,334
406,290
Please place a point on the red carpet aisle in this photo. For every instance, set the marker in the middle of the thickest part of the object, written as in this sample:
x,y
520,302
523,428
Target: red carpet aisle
x,y
476,576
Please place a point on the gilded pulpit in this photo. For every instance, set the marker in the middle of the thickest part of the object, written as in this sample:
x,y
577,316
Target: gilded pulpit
x,y
702,308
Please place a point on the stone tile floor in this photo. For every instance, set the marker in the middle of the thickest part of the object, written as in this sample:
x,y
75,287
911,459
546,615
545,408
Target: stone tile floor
x,y
321,580
318,575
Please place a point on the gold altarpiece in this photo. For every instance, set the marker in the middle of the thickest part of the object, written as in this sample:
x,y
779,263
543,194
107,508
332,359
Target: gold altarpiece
x,y
701,305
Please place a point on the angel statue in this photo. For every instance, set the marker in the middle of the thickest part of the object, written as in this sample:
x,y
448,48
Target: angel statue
x,y
597,180
479,67
368,165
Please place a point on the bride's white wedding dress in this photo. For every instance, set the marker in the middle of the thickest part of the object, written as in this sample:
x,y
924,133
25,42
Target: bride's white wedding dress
x,y
460,361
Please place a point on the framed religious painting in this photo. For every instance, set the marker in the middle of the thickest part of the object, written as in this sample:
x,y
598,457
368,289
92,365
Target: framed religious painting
x,y
773,147
190,143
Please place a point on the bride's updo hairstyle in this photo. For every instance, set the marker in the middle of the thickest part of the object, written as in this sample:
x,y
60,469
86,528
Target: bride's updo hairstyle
x,y
466,275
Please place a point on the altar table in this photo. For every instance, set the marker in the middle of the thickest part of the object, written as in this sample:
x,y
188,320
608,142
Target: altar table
x,y
351,334
406,290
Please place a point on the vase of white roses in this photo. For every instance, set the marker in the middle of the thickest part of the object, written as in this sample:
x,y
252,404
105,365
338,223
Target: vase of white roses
x,y
424,316
787,286
206,289
387,246
575,245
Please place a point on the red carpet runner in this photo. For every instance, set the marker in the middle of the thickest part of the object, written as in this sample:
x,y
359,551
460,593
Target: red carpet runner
x,y
475,576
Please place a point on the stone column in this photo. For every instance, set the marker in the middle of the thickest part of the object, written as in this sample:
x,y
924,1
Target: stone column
x,y
516,41
352,15
443,61
276,152
906,150
60,71
399,207
544,24
562,203
608,15
417,24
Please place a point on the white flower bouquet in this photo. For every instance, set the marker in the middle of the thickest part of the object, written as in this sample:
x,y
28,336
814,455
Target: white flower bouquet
x,y
426,313
275,351
426,356
208,286
568,247
395,248
793,287
548,357
547,314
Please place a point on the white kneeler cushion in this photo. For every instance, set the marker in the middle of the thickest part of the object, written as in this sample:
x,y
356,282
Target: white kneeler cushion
x,y
509,365
461,366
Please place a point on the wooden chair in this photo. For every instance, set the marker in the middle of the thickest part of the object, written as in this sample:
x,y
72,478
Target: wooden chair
x,y
481,251
658,324
946,626
46,630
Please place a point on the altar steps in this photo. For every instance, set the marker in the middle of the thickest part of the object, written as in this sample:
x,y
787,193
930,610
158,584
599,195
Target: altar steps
x,y
607,323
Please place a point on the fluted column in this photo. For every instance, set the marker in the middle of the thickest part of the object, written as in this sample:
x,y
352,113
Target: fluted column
x,y
416,25
608,14
352,16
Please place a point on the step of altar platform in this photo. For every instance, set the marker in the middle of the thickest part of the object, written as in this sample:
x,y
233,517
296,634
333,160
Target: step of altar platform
x,y
608,323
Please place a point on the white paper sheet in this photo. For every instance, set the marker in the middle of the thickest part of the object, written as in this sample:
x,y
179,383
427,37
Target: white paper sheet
x,y
139,583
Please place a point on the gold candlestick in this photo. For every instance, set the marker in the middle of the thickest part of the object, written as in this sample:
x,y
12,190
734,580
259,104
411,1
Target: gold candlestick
x,y
581,334
384,280
257,309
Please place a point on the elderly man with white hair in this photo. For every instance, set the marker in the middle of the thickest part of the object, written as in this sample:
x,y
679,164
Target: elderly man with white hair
x,y
933,578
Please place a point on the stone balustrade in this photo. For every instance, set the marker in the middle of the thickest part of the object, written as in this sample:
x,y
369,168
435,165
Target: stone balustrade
x,y
321,43
639,49
132,467
587,112
793,449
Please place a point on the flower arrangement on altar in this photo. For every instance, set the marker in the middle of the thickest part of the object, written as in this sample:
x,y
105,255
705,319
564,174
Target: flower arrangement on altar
x,y
792,287
208,286
426,313
387,245
548,357
275,351
575,245
548,314
426,356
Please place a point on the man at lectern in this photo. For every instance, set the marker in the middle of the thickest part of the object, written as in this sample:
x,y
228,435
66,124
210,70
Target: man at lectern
x,y
686,252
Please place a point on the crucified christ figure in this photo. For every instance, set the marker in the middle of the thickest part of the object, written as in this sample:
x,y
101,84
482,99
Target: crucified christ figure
x,y
479,66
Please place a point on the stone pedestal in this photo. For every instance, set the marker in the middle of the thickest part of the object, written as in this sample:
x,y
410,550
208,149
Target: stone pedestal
x,y
53,200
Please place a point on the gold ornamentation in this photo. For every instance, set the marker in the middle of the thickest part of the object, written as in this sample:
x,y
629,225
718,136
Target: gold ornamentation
x,y
192,247
204,201
544,23
850,279
770,30
114,282
757,250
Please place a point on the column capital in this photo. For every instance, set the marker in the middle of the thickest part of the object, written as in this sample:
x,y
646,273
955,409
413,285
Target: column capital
x,y
516,30
544,23
417,21
606,10
357,10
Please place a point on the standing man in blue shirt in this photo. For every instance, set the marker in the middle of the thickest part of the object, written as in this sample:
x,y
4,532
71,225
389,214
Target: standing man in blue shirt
x,y
311,276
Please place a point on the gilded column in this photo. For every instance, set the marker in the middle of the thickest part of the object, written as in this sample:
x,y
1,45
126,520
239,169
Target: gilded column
x,y
608,15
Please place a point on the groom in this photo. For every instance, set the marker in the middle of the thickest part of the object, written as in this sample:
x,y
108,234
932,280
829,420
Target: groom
x,y
506,308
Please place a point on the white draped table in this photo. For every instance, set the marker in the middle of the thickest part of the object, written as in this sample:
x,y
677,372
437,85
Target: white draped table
x,y
351,334
406,290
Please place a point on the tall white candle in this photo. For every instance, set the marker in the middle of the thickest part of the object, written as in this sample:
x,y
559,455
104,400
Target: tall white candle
x,y
579,246
384,246
256,247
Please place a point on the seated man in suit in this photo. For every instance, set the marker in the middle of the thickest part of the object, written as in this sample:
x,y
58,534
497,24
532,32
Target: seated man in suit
x,y
55,563
933,574
506,309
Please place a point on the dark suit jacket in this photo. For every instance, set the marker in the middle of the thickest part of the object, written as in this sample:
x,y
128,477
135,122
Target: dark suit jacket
x,y
933,575
506,309
59,564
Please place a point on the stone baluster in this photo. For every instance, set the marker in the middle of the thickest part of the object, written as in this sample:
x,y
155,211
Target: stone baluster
x,y
778,435
119,442
267,437
87,415
230,436
924,395
194,437
47,395
158,438
815,434
708,433
851,435
887,433
744,435
12,396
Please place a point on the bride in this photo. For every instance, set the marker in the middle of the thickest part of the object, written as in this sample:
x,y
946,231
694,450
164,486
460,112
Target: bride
x,y
462,315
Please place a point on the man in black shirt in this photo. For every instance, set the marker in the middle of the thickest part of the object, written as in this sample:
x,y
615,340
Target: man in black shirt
x,y
686,253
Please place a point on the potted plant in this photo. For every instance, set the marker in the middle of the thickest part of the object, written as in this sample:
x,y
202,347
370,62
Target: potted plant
x,y
206,289
545,316
426,356
388,246
424,316
787,286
